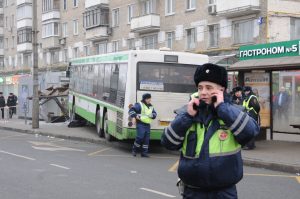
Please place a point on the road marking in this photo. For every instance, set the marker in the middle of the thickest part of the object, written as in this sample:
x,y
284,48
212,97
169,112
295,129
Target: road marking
x,y
59,166
11,136
271,175
16,155
158,192
48,146
100,151
174,167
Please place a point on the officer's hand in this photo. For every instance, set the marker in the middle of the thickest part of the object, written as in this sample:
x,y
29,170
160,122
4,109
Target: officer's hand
x,y
190,109
138,117
219,93
133,121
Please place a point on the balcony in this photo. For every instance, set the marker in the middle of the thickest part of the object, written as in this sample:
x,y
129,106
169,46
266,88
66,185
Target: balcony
x,y
1,52
91,3
233,8
26,22
146,23
20,2
52,14
51,42
97,34
25,47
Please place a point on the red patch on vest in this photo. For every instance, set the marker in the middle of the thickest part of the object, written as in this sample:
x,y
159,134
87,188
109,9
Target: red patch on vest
x,y
223,136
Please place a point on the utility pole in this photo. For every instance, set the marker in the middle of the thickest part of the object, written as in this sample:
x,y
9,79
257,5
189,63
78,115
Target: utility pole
x,y
35,77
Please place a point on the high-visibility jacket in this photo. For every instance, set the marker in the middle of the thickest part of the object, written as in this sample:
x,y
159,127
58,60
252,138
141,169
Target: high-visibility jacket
x,y
194,95
246,104
146,113
210,145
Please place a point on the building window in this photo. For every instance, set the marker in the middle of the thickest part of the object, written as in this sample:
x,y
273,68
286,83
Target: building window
x,y
6,43
66,55
190,4
95,17
24,11
75,27
191,38
148,7
1,43
49,5
64,29
6,22
2,63
213,35
115,17
169,7
13,42
130,13
50,29
12,24
131,44
295,28
75,3
115,46
86,50
27,60
54,57
45,58
1,20
65,4
1,3
149,42
75,52
24,36
101,48
13,64
243,31
170,39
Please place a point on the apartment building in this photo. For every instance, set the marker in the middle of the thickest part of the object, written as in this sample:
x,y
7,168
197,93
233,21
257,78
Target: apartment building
x,y
75,28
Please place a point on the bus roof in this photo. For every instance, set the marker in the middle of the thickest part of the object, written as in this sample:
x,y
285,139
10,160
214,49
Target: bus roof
x,y
145,55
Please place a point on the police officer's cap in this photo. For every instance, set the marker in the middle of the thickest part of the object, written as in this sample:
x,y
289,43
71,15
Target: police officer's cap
x,y
247,88
146,96
211,73
238,88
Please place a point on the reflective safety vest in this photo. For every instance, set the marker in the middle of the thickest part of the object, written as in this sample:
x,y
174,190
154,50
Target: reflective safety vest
x,y
222,142
146,113
194,95
246,104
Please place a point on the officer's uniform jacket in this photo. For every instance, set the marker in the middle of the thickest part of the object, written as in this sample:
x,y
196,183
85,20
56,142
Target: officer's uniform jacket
x,y
146,113
210,145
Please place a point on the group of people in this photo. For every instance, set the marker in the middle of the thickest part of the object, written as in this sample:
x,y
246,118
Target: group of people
x,y
209,131
11,102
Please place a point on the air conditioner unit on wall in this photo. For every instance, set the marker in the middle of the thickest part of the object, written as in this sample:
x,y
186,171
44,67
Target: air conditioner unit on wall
x,y
62,41
212,9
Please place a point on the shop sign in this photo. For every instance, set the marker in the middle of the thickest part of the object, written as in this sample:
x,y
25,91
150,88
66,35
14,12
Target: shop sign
x,y
271,50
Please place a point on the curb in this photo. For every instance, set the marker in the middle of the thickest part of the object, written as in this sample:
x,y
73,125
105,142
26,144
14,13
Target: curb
x,y
247,162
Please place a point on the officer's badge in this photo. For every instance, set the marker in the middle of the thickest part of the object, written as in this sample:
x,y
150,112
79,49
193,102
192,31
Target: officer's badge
x,y
207,71
223,136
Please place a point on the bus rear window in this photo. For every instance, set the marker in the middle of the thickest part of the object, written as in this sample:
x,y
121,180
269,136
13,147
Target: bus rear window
x,y
166,77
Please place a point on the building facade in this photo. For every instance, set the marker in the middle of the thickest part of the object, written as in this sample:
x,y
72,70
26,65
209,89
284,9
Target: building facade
x,y
75,28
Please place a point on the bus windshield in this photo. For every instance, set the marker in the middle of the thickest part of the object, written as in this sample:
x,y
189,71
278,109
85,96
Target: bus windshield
x,y
166,77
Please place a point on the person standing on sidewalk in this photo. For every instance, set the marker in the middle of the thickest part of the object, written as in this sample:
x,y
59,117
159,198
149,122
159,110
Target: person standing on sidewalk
x,y
2,104
142,115
210,134
12,103
252,107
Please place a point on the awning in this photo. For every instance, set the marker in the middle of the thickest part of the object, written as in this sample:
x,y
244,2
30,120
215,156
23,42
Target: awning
x,y
224,60
282,63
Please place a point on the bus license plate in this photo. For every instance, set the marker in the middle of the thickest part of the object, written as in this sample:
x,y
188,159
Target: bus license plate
x,y
164,123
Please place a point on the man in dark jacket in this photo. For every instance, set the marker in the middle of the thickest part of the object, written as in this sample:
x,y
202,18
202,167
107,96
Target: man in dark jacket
x,y
142,115
12,103
237,97
210,134
2,104
282,103
252,107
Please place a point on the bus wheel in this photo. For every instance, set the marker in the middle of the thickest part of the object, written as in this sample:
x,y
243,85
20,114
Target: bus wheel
x,y
108,136
98,124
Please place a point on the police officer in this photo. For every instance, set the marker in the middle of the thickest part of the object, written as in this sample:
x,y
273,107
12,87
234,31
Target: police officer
x,y
237,97
252,107
210,134
142,115
2,104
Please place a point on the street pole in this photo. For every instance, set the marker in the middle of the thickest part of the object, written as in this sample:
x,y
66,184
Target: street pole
x,y
35,83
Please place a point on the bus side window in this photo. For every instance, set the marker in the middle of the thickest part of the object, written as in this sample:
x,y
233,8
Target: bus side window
x,y
107,76
100,80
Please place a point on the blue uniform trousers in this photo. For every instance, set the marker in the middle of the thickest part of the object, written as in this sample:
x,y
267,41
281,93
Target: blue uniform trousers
x,y
228,193
142,138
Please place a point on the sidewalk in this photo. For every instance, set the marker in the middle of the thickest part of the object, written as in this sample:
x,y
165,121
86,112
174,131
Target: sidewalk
x,y
275,155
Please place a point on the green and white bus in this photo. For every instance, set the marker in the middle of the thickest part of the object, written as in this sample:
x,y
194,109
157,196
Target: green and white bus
x,y
103,87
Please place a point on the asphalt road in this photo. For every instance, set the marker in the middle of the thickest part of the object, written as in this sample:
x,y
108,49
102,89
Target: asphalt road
x,y
36,167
